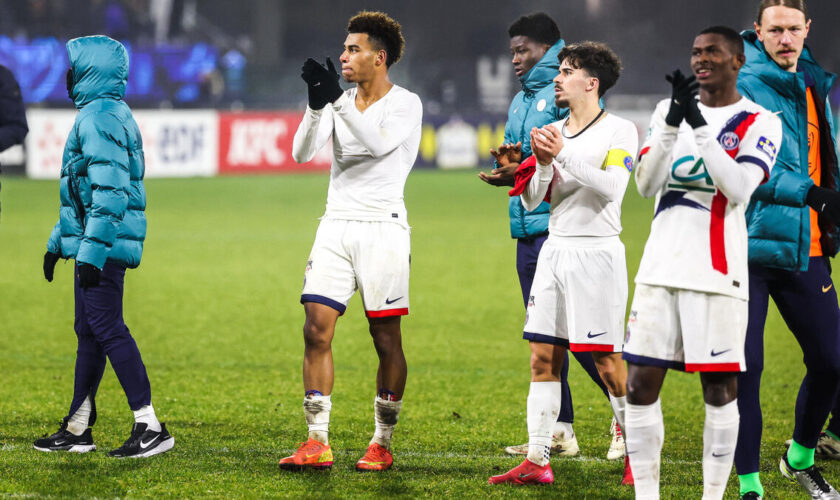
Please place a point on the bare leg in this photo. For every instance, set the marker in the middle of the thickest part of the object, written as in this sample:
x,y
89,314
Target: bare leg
x,y
318,332
387,339
613,372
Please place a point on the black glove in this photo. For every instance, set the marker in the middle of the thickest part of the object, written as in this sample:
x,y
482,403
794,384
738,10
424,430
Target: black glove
x,y
683,92
322,83
88,276
50,259
824,201
693,116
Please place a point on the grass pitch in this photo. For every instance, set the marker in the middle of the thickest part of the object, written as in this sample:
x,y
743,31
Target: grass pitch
x,y
214,308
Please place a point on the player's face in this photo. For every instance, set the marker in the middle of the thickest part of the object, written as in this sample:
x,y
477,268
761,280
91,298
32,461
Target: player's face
x,y
713,62
526,53
572,85
783,31
360,59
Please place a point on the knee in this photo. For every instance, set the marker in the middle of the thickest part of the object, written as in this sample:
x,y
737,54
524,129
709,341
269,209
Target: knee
x,y
316,336
112,336
386,335
636,391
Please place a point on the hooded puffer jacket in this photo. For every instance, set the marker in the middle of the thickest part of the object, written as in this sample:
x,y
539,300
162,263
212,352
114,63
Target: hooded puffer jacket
x,y
102,195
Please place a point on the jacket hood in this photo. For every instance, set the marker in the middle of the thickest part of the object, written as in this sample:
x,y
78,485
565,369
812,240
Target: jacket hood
x,y
544,71
100,68
761,65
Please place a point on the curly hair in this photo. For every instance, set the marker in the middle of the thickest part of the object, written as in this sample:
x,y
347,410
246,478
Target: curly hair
x,y
595,58
383,32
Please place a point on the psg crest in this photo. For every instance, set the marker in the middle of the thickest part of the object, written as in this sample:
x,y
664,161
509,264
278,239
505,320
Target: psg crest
x,y
729,141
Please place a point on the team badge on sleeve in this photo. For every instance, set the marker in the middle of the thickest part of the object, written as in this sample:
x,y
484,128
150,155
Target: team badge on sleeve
x,y
730,141
767,147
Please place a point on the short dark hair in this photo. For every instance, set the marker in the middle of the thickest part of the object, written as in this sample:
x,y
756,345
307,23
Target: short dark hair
x,y
537,26
733,39
595,58
383,32
793,4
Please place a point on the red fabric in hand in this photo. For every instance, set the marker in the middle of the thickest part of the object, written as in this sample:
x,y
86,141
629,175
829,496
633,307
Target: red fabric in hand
x,y
523,175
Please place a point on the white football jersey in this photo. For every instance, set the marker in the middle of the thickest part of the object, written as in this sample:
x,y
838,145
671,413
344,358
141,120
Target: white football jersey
x,y
587,180
373,152
703,180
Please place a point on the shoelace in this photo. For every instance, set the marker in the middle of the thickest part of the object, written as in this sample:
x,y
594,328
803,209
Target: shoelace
x,y
814,475
309,447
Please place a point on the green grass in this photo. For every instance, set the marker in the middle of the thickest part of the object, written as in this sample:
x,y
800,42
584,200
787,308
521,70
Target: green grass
x,y
214,308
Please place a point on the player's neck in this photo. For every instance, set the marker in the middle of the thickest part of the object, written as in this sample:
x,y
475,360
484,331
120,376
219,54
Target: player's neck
x,y
716,98
371,91
581,115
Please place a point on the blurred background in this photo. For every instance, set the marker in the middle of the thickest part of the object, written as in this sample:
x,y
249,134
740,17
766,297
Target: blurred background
x,y
223,77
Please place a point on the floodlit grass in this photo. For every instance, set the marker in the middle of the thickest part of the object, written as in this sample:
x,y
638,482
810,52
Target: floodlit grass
x,y
214,308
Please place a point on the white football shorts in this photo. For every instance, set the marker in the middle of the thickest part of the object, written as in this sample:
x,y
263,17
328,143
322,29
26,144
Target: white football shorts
x,y
371,256
579,295
686,330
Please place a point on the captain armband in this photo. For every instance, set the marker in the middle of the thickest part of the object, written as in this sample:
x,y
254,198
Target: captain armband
x,y
618,158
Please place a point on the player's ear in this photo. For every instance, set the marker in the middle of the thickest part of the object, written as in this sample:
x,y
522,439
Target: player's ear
x,y
758,32
739,61
592,84
381,57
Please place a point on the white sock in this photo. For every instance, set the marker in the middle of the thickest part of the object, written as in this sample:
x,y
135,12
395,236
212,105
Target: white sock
x,y
618,406
316,409
564,430
643,436
543,408
146,415
78,423
720,433
385,413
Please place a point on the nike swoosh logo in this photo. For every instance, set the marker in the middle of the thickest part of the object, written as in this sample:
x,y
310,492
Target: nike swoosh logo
x,y
144,445
713,353
720,455
523,476
59,443
391,301
827,288
589,334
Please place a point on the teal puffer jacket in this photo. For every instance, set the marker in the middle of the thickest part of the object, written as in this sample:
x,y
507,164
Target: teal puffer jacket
x,y
532,107
102,195
778,220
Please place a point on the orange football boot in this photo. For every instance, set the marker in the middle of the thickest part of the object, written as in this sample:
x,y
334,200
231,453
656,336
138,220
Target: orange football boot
x,y
310,455
376,458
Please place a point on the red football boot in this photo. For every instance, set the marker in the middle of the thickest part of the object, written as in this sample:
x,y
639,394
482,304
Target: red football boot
x,y
377,458
310,455
525,473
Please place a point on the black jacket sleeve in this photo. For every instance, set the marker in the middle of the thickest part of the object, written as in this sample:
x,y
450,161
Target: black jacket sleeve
x,y
13,128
